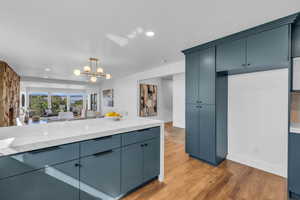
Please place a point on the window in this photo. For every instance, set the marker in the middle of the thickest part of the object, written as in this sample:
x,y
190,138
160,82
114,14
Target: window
x,y
59,103
76,104
94,102
38,103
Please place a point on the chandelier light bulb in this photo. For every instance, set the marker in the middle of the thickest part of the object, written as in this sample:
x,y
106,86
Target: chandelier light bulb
x,y
87,69
77,72
93,79
108,76
100,70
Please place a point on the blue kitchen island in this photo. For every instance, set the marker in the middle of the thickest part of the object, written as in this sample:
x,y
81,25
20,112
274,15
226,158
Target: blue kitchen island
x,y
80,160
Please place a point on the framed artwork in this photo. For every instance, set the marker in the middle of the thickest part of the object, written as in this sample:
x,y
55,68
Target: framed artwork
x,y
148,100
108,98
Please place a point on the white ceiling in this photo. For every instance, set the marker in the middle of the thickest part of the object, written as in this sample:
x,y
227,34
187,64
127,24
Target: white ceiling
x,y
63,34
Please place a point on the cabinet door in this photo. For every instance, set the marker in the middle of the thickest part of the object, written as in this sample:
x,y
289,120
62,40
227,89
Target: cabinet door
x,y
192,77
54,182
192,129
207,75
231,55
101,173
269,48
294,163
207,133
151,159
132,167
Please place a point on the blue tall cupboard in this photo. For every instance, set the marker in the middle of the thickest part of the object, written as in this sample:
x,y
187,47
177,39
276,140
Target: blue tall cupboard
x,y
206,137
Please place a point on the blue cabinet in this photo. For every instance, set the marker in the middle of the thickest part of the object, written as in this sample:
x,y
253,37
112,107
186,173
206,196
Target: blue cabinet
x,y
101,173
207,133
192,71
38,159
151,159
140,163
296,40
207,70
201,132
294,164
264,50
132,167
192,129
269,48
231,55
203,139
54,182
97,145
200,68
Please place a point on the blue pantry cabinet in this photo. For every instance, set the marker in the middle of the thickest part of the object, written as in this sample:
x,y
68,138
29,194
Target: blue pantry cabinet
x,y
201,132
88,170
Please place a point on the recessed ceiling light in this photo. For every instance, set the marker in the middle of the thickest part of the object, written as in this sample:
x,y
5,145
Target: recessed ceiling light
x,y
150,33
47,69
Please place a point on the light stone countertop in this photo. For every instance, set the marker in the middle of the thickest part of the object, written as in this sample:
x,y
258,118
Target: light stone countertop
x,y
21,139
295,128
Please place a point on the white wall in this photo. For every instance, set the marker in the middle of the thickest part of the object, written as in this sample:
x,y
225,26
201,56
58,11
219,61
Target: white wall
x,y
126,89
179,100
167,99
258,120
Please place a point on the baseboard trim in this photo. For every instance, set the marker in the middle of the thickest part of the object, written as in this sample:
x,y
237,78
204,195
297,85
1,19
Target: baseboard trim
x,y
257,164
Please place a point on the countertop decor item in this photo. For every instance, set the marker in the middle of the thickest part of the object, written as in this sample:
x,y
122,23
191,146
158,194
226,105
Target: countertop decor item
x,y
93,71
114,116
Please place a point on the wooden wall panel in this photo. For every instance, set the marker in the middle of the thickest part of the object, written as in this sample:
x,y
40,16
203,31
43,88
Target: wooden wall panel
x,y
9,95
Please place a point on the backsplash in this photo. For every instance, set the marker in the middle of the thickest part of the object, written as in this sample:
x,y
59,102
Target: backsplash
x,y
295,108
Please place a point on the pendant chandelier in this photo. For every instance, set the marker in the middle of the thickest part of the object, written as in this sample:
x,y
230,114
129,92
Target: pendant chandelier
x,y
93,71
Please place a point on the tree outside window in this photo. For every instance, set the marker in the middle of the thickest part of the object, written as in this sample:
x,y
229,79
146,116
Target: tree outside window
x,y
38,103
59,103
76,104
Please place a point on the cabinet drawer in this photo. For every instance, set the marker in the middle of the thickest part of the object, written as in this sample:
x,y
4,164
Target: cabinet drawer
x,y
21,163
100,144
102,171
140,135
45,184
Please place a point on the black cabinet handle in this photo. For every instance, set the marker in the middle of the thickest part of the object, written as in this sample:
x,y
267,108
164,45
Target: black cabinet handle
x,y
248,64
142,145
146,144
77,165
103,138
103,153
45,150
199,101
147,129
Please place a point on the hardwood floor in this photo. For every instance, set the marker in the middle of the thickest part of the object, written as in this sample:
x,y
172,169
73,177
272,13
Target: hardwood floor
x,y
189,179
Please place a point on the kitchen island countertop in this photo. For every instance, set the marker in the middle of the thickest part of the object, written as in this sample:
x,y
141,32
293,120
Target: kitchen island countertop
x,y
19,139
295,128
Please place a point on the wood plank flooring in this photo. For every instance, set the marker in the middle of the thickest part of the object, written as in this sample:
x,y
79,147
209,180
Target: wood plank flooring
x,y
189,179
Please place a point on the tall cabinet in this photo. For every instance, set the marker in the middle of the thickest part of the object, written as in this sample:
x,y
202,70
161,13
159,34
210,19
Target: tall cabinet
x,y
206,129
